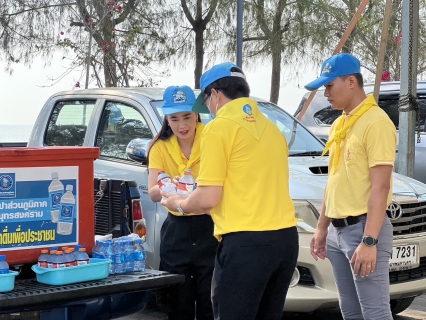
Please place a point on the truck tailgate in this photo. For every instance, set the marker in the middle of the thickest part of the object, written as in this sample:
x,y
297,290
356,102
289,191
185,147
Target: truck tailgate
x,y
31,294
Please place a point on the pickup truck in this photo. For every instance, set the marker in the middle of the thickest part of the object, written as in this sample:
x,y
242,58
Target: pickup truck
x,y
122,122
117,209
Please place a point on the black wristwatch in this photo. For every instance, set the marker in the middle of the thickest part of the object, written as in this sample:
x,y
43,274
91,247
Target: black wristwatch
x,y
369,241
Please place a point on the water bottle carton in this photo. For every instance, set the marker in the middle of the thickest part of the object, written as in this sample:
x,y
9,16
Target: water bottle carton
x,y
56,191
129,253
119,265
139,256
66,215
109,254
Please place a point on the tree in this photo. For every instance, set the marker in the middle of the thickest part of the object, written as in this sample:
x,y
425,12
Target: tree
x,y
273,30
127,37
329,19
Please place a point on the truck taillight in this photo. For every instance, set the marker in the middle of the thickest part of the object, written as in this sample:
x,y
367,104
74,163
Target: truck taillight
x,y
139,226
137,210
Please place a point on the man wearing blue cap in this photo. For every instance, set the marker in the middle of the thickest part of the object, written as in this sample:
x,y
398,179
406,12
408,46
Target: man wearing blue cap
x,y
244,184
358,241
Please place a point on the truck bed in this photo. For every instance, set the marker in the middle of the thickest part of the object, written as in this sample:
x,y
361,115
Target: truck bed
x,y
30,295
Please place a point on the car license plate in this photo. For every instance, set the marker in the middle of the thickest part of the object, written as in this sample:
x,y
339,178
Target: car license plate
x,y
404,257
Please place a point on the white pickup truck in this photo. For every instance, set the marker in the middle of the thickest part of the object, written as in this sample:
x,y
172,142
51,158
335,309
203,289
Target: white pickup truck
x,y
111,118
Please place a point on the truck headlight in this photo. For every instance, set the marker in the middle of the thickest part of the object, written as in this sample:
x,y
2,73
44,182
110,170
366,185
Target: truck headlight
x,y
306,216
295,278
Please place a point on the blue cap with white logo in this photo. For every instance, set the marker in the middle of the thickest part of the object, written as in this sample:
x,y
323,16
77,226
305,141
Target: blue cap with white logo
x,y
178,99
217,72
342,64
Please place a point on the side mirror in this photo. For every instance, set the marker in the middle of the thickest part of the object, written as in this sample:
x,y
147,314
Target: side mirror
x,y
137,149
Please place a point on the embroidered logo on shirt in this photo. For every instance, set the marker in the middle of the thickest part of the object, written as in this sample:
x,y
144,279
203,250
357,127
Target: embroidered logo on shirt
x,y
179,97
248,110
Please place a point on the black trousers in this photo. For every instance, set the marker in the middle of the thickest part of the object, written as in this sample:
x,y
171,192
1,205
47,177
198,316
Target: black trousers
x,y
188,247
252,274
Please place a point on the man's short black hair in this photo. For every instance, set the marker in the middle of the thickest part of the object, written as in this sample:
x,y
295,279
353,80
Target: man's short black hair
x,y
358,77
231,87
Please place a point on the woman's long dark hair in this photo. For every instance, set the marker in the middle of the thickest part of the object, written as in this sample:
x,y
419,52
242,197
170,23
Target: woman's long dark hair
x,y
164,134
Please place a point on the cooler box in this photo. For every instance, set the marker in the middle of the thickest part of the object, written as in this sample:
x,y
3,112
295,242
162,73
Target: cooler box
x,y
36,210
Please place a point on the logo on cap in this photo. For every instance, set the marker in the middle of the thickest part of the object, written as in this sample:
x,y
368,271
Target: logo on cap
x,y
247,109
327,69
179,96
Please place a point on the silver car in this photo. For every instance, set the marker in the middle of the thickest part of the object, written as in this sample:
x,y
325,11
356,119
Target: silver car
x,y
319,116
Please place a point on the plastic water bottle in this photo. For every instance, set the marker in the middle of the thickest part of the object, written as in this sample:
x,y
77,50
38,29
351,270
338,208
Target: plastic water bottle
x,y
140,258
186,184
69,258
109,254
76,248
51,258
120,265
66,215
82,257
4,266
56,191
165,182
129,255
196,183
42,259
59,260
95,250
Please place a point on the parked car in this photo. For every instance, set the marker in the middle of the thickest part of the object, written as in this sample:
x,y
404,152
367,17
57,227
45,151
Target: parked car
x,y
81,117
319,116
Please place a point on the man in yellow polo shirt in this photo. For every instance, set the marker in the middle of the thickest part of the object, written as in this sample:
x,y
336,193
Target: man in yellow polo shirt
x,y
244,184
358,241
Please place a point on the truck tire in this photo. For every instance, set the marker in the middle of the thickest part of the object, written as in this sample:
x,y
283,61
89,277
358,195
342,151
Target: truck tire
x,y
397,306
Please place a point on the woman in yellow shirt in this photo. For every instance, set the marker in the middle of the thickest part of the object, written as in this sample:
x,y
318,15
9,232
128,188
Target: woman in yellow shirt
x,y
187,243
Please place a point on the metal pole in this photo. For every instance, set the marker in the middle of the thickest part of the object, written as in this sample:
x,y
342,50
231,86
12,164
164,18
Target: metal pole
x,y
407,115
89,51
240,33
382,50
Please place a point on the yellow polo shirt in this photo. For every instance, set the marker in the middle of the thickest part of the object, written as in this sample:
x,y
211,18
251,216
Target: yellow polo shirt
x,y
370,142
167,155
238,150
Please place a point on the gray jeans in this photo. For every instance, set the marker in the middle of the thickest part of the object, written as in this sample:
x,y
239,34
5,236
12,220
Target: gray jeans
x,y
361,298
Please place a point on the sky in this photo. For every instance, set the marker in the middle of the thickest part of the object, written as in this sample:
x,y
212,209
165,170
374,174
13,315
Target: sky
x,y
24,93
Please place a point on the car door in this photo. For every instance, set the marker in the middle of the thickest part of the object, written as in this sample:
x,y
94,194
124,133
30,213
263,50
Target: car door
x,y
121,121
389,103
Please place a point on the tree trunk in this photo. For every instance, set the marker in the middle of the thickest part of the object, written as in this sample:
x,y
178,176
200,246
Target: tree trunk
x,y
199,56
276,72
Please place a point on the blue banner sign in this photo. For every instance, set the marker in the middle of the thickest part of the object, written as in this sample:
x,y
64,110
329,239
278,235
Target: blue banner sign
x,y
38,207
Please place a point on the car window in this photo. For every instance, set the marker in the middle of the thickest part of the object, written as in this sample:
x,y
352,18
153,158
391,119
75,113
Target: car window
x,y
389,103
119,124
158,104
68,122
326,116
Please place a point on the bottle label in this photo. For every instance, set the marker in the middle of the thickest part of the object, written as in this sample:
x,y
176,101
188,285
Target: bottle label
x,y
43,264
82,262
59,265
163,182
119,258
50,265
139,256
69,264
66,213
4,271
185,188
55,199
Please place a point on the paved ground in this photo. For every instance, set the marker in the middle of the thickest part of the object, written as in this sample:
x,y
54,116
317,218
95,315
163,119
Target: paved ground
x,y
416,311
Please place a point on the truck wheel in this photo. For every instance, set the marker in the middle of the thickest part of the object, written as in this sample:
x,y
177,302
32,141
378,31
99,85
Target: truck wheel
x,y
397,306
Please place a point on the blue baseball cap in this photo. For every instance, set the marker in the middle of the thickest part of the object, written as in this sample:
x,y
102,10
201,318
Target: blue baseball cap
x,y
342,64
217,72
178,99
